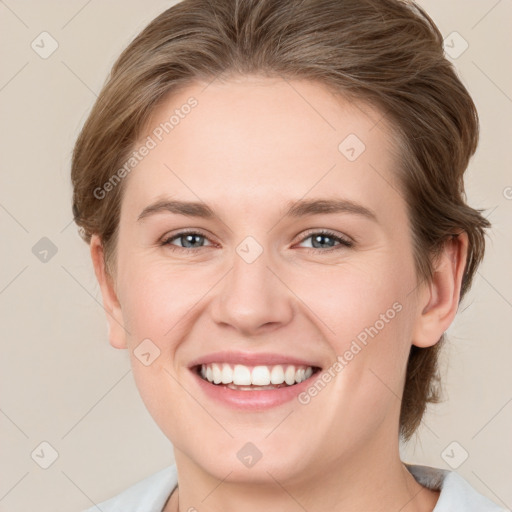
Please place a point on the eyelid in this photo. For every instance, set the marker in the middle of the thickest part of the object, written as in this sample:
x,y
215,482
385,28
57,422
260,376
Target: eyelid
x,y
182,232
349,241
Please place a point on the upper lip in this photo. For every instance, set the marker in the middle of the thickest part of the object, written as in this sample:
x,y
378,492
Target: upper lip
x,y
250,359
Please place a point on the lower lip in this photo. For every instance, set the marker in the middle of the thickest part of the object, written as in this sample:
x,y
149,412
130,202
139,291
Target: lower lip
x,y
253,400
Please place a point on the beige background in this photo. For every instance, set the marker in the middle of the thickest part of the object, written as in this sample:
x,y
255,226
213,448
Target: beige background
x,y
63,384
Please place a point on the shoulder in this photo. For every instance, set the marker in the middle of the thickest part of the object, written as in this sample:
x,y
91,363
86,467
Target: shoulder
x,y
456,492
147,495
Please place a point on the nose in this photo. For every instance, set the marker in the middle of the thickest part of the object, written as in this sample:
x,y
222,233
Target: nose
x,y
253,298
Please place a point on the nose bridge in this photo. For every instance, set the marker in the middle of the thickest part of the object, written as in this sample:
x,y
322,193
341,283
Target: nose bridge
x,y
252,296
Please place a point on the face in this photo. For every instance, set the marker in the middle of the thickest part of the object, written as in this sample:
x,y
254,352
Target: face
x,y
297,254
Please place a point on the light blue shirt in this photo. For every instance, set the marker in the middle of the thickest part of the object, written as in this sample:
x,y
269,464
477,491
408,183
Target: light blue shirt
x,y
151,494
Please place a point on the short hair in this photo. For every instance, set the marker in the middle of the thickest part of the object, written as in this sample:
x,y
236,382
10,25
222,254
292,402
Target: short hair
x,y
388,53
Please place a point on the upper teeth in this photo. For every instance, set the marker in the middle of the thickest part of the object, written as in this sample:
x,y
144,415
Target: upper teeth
x,y
241,375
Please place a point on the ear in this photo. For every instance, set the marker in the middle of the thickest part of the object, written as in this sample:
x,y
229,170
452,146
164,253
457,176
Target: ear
x,y
439,300
117,332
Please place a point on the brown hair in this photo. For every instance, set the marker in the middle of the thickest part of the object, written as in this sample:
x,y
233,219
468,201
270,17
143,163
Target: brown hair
x,y
388,53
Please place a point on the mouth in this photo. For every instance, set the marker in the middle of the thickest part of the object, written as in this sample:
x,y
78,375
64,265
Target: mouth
x,y
239,377
253,381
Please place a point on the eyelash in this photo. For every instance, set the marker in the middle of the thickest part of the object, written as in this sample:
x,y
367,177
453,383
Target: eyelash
x,y
343,242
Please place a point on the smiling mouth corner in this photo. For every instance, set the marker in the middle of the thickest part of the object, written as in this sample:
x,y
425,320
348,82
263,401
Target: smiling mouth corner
x,y
261,377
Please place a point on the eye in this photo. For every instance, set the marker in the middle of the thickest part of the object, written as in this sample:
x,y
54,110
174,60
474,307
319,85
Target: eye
x,y
320,239
190,239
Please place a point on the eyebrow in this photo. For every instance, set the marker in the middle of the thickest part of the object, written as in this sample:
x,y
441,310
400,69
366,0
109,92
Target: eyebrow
x,y
296,209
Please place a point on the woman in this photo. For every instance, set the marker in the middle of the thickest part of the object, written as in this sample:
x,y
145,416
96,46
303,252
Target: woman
x,y
273,196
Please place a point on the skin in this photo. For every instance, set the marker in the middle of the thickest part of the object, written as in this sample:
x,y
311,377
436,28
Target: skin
x,y
251,145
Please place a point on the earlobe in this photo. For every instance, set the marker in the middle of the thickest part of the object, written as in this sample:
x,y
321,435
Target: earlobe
x,y
439,299
116,330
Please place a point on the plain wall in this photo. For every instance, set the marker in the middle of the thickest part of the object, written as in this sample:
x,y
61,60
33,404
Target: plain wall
x,y
61,381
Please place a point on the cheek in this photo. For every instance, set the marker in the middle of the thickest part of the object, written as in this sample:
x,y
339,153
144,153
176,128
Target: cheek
x,y
157,300
357,300
366,315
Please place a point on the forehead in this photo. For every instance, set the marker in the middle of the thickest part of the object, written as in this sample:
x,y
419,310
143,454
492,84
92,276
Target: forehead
x,y
253,140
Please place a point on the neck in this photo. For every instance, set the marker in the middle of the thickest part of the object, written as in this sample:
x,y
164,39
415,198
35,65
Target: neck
x,y
374,480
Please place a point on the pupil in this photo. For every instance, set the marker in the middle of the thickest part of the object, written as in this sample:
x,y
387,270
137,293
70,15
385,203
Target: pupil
x,y
320,237
190,238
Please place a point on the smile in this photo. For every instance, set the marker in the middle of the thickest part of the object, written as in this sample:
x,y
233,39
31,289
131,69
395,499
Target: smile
x,y
250,378
253,381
